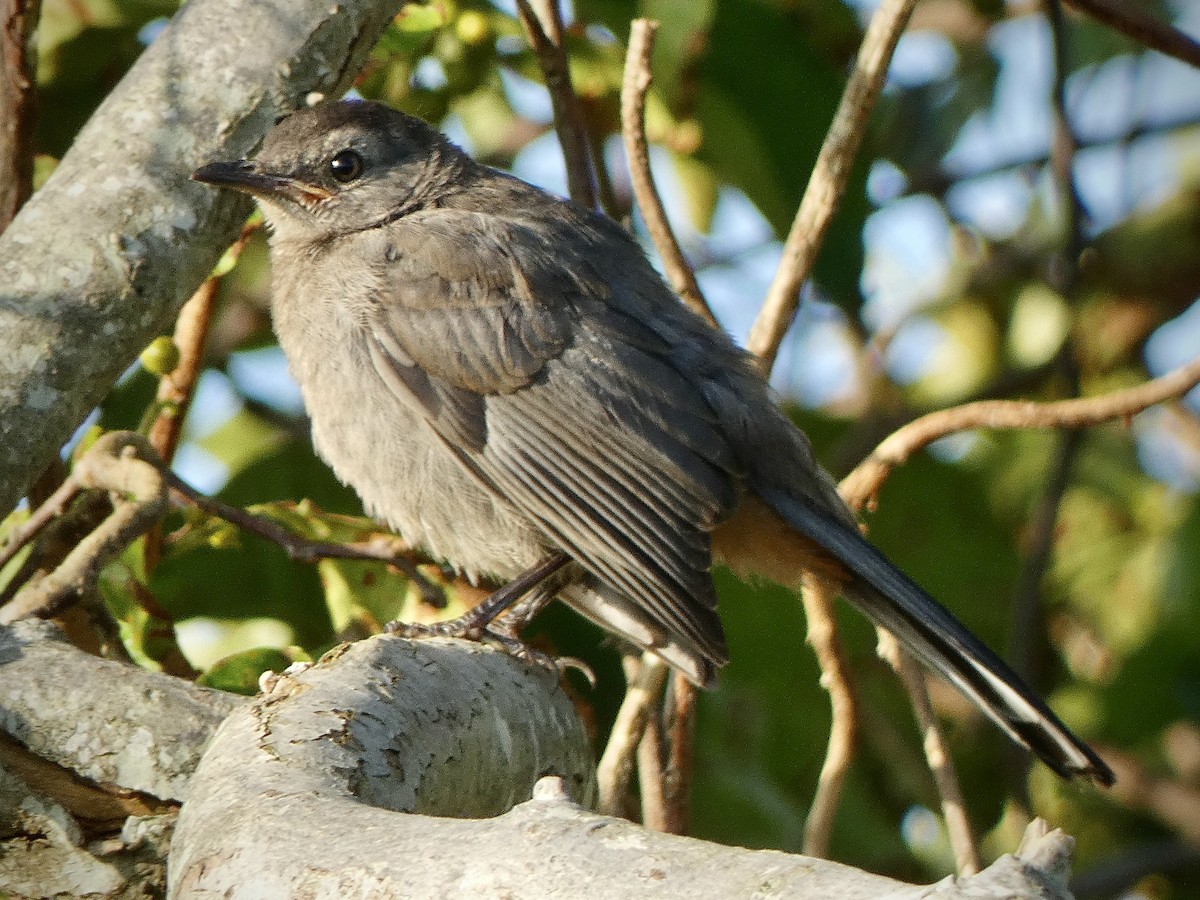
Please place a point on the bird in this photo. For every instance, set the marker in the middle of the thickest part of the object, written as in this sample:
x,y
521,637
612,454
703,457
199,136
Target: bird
x,y
507,382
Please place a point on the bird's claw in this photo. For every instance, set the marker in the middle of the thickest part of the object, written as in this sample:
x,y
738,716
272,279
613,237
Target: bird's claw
x,y
503,638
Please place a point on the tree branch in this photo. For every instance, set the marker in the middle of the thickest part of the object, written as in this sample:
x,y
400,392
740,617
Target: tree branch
x,y
1143,28
828,180
18,58
545,32
817,597
100,260
125,465
861,485
643,697
937,755
633,129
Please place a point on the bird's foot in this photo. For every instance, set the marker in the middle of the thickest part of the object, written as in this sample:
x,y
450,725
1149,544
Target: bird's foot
x,y
499,619
501,634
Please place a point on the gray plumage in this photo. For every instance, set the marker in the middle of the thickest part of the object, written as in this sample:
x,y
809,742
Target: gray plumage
x,y
500,374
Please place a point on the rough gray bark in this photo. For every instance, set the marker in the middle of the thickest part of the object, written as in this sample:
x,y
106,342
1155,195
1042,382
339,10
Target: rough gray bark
x,y
340,781
99,261
106,721
313,839
301,794
84,741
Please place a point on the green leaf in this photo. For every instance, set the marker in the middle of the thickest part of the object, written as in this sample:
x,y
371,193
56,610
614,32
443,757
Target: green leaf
x,y
240,672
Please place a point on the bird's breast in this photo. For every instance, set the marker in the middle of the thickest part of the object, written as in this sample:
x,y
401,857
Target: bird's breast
x,y
378,442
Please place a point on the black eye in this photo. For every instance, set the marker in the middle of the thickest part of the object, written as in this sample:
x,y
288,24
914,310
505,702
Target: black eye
x,y
346,166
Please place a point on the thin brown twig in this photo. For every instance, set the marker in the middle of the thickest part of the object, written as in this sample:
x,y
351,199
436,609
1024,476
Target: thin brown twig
x,y
818,597
124,464
51,509
18,59
954,809
864,482
176,389
636,83
1143,28
1027,644
828,180
679,735
301,548
817,207
545,32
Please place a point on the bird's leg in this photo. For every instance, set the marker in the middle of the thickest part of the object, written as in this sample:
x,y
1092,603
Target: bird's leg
x,y
517,617
475,624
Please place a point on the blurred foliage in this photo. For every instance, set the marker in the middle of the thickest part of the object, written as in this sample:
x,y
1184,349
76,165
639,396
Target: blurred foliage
x,y
744,93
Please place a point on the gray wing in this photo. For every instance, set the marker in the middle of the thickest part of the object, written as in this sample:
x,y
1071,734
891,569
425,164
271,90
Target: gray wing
x,y
567,407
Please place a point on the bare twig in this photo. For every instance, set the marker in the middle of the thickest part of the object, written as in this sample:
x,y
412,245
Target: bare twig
x,y
864,482
545,32
18,58
665,758
614,774
861,485
828,180
301,548
1024,644
651,769
633,130
1028,642
51,509
821,197
679,734
175,390
124,464
1136,23
817,597
954,809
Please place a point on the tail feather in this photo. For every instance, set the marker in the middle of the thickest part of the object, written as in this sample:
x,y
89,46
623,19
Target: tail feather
x,y
889,598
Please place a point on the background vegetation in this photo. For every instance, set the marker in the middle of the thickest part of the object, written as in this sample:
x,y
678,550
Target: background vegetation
x,y
957,268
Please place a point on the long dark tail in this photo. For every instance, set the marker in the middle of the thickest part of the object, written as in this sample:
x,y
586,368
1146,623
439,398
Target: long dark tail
x,y
927,629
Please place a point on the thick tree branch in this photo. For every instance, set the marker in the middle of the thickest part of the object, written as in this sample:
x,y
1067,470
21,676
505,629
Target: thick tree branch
x,y
299,792
119,725
100,260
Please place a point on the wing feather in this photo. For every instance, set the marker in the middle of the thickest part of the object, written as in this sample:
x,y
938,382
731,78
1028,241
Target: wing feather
x,y
580,420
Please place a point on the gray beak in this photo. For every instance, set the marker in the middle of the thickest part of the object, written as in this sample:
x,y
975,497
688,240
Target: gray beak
x,y
245,175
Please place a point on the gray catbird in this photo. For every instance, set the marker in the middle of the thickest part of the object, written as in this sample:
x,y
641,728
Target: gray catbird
x,y
503,377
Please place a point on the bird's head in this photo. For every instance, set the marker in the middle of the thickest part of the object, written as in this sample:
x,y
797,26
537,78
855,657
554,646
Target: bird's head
x,y
341,167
